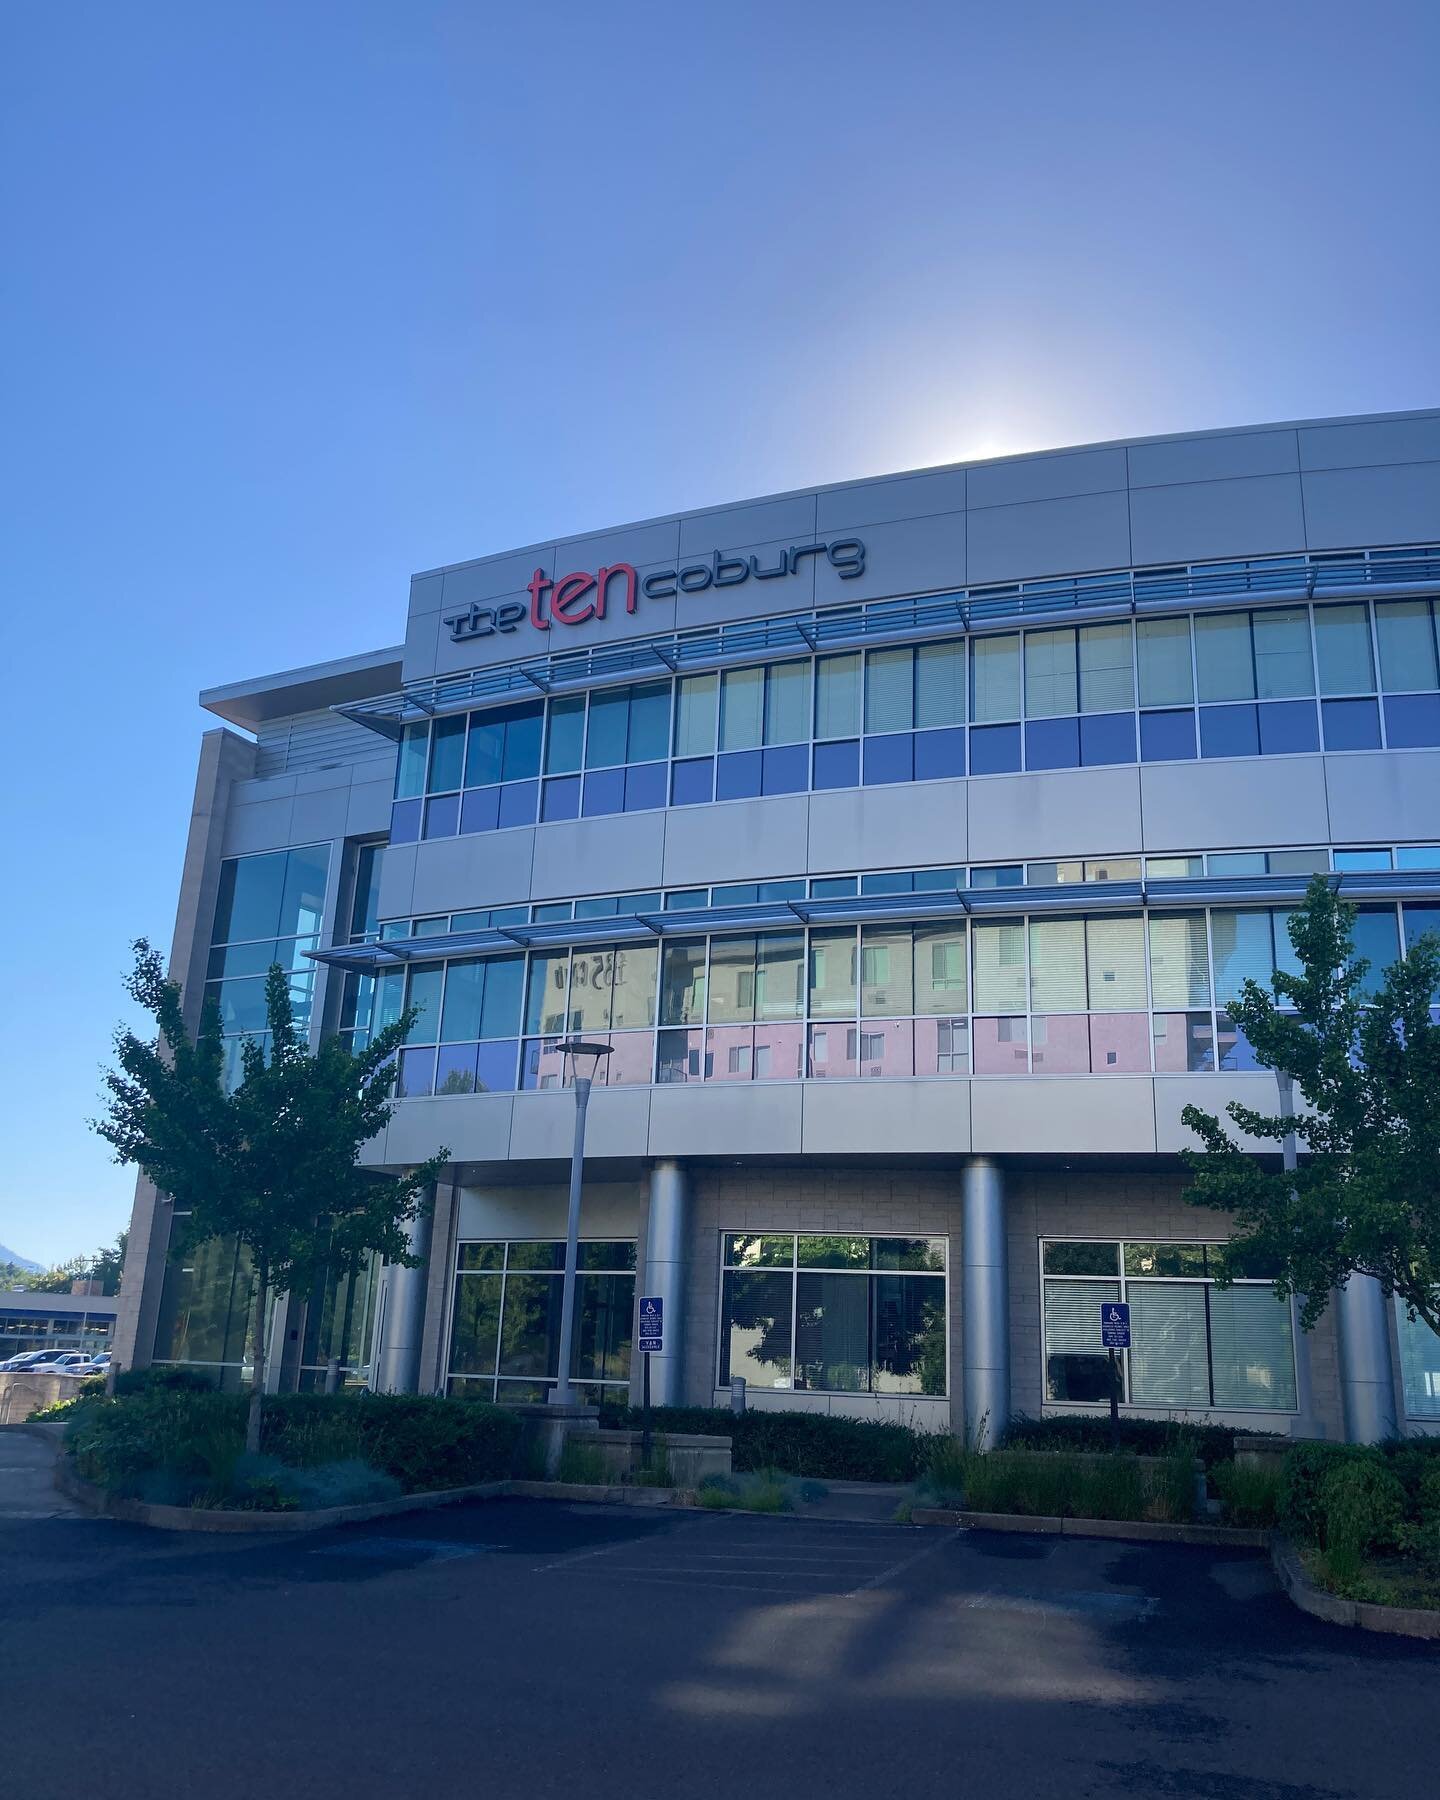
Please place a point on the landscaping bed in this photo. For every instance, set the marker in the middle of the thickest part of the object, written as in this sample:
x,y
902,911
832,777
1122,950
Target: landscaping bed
x,y
811,1446
1365,1520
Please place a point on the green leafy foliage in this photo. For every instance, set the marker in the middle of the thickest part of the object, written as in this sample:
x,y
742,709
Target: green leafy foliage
x,y
583,1463
1142,1437
164,1378
92,1388
185,1448
1366,1058
1362,1506
1063,1483
823,1446
273,1164
758,1491
1249,1493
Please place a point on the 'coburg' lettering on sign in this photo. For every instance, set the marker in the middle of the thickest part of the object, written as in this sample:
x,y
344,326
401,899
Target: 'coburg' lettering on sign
x,y
580,596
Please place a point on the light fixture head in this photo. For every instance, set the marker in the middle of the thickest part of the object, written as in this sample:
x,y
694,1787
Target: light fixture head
x,y
585,1057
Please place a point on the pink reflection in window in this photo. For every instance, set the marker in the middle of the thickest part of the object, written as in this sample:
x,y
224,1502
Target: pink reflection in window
x,y
942,1046
779,1052
832,1051
543,1067
681,1056
729,1052
1001,1047
1060,1044
887,1047
1119,1043
631,1059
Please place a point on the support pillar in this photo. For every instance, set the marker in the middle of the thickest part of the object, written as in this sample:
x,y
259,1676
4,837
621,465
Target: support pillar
x,y
402,1315
1367,1382
666,1271
984,1302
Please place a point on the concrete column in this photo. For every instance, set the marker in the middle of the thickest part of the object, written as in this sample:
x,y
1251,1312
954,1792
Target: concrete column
x,y
1367,1381
666,1271
402,1318
984,1301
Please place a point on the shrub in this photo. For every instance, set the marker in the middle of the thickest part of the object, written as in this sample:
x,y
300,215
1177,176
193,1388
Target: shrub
x,y
1063,1484
168,1378
1250,1495
91,1388
1305,1468
821,1445
583,1463
423,1441
1362,1507
1142,1437
759,1490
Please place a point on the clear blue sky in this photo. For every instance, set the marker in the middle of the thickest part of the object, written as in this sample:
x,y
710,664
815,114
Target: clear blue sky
x,y
299,297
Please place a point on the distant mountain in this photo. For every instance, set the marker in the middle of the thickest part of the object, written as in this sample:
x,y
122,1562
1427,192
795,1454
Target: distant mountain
x,y
20,1262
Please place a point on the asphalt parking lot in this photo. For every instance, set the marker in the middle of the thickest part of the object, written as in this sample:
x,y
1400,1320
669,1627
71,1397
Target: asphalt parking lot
x,y
538,1648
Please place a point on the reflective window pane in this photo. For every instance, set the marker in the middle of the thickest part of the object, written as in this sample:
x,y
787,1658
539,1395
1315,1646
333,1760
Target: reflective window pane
x,y
609,728
1179,960
732,980
1283,668
1115,958
1107,679
832,974
632,1001
787,703
1224,663
648,735
742,709
886,989
565,740
940,975
1057,965
695,712
1050,678
999,946
994,679
1163,653
780,975
447,753
940,684
682,982
889,690
548,991
1342,649
755,1328
1407,646
464,991
837,696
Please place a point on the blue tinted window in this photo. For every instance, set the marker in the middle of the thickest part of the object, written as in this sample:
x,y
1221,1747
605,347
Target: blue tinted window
x,y
1229,731
405,821
1236,1052
1377,940
1351,724
447,753
687,900
994,749
780,890
504,983
1287,725
1418,856
561,799
442,816
1411,720
495,1068
480,810
1052,744
567,734
833,887
523,728
887,884
604,792
1001,875
1107,738
735,893
486,751
837,765
785,769
649,735
645,786
939,753
694,782
1167,736
889,758
518,801
1361,860
738,775
931,881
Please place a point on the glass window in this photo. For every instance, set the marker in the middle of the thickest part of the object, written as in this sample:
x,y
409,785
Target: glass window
x,y
742,709
475,1324
251,891
1169,1361
1419,1366
994,678
1242,948
682,982
787,703
504,986
1223,660
1107,677
1163,653
886,957
424,995
548,994
648,736
632,999
999,965
411,763
1076,1366
464,993
566,739
1377,940
1407,646
1050,680
756,1327
832,1333
1061,1258
1115,954
1057,964
1342,649
447,754
609,728
1283,669
940,975
524,726
695,704
837,696
890,690
1179,960
832,974
591,974
780,975
485,749
1252,1348
940,685
732,980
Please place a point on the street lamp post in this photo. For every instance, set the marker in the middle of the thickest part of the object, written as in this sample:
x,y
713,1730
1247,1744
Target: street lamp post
x,y
584,1058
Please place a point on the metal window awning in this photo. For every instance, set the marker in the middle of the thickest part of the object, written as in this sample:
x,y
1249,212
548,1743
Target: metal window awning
x,y
951,613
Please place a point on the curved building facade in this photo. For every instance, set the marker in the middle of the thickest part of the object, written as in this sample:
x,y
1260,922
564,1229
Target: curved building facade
x,y
906,842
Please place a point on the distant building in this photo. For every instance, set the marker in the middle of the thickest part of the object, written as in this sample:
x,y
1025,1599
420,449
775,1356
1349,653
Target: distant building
x,y
74,1321
907,841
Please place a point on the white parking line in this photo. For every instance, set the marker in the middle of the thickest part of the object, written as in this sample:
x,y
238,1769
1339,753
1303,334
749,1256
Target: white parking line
x,y
907,1562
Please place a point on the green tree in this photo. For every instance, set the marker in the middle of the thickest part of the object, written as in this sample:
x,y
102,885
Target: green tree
x,y
273,1163
105,1266
1365,1056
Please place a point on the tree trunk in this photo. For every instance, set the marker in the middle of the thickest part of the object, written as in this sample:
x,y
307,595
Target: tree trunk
x,y
257,1391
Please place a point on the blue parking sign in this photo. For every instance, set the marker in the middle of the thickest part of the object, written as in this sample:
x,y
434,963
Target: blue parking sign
x,y
652,1323
1115,1324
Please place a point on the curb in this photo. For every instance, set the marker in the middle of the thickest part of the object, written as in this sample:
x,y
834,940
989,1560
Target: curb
x,y
195,1518
599,1493
1365,1615
1148,1531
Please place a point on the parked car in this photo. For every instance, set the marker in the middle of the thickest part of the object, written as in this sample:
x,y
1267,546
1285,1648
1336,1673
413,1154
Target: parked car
x,y
23,1360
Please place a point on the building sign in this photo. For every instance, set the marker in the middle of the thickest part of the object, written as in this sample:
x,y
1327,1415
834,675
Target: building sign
x,y
574,598
652,1324
1115,1324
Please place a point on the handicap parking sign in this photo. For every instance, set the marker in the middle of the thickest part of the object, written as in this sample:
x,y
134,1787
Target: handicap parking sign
x,y
652,1323
1115,1324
